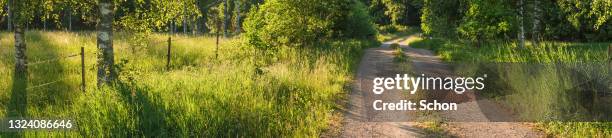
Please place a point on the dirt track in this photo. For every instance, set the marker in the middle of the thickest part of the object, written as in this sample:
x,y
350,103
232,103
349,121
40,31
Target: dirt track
x,y
469,121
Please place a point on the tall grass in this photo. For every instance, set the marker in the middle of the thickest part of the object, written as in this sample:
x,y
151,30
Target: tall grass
x,y
538,82
201,96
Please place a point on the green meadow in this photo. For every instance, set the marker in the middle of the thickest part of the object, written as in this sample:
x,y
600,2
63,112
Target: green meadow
x,y
200,95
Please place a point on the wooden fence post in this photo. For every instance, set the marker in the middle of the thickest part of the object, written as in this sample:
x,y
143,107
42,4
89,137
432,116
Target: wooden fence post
x,y
82,68
168,56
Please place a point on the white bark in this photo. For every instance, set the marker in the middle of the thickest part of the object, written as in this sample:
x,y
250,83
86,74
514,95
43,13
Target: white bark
x,y
20,49
106,71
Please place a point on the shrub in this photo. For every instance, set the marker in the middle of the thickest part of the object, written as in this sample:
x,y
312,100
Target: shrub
x,y
303,23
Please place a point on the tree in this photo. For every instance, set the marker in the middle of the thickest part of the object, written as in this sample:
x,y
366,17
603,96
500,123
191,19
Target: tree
x,y
203,7
9,17
106,71
21,13
535,35
441,17
237,13
521,34
302,23
226,18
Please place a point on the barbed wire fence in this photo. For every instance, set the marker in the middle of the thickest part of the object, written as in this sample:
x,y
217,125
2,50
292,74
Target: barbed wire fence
x,y
57,59
169,47
81,54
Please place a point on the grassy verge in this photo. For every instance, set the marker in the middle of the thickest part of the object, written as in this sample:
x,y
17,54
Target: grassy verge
x,y
546,94
390,32
200,96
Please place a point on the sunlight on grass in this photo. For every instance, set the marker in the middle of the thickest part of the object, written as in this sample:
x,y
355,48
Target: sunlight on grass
x,y
200,96
528,81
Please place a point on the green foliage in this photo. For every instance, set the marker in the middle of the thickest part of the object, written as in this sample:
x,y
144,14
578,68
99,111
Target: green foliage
x,y
303,23
357,24
440,17
200,97
395,12
486,19
591,18
546,95
22,11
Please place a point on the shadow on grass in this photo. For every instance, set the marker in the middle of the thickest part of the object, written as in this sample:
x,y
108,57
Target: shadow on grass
x,y
56,94
17,106
148,108
42,73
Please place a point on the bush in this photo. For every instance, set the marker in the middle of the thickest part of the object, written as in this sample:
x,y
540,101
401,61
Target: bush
x,y
303,23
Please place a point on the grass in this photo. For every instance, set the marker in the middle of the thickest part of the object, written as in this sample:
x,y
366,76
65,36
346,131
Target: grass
x,y
201,96
390,32
537,93
398,53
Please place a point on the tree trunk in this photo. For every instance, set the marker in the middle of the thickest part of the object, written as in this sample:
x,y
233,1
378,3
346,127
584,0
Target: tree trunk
x,y
20,49
521,35
170,28
204,20
226,17
69,19
106,72
194,27
45,25
237,25
9,23
536,22
185,18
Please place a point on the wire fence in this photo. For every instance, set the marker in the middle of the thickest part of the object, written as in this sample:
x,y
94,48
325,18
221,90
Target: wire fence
x,y
168,61
57,59
82,55
52,60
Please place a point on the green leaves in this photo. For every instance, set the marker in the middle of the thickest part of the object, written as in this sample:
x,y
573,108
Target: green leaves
x,y
300,23
486,19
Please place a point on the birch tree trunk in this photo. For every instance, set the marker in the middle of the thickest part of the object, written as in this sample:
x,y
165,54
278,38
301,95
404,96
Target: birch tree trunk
x,y
521,35
20,49
106,72
536,22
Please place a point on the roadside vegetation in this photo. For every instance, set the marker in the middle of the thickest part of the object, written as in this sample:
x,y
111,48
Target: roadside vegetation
x,y
255,84
200,96
549,66
548,97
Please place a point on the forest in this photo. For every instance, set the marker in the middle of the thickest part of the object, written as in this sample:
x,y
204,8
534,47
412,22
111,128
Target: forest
x,y
265,68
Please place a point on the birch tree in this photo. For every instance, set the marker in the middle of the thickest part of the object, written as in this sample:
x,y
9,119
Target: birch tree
x,y
535,35
521,33
106,73
21,13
